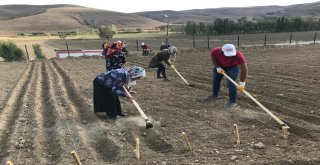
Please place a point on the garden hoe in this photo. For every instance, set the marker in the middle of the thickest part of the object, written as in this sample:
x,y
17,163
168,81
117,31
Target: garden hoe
x,y
260,105
143,115
190,85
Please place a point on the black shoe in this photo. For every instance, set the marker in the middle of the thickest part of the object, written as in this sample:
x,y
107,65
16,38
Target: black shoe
x,y
166,79
159,77
123,115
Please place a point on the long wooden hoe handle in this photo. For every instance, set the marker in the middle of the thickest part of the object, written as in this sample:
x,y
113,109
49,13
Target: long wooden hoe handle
x,y
143,115
257,102
181,76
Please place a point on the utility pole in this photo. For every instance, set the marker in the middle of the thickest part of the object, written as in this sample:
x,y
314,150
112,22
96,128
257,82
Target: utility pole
x,y
167,28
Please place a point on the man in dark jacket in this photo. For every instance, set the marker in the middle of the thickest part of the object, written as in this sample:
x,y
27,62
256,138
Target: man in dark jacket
x,y
163,56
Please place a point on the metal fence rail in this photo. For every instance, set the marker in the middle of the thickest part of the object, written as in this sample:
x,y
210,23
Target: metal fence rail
x,y
196,42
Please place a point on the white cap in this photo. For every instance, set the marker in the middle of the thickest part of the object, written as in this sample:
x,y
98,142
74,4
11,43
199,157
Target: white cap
x,y
142,43
229,50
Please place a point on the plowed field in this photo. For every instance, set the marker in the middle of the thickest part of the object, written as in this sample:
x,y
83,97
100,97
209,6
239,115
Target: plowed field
x,y
47,112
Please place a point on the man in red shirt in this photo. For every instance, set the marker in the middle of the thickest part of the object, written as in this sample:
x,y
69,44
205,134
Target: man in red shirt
x,y
227,59
145,50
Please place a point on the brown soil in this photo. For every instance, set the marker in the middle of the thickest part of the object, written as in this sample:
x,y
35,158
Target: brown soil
x,y
46,112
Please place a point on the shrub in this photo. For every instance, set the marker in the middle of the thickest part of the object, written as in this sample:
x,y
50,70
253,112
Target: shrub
x,y
21,34
38,51
9,51
62,35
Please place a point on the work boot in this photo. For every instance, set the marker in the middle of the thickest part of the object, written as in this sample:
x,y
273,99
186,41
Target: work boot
x,y
166,79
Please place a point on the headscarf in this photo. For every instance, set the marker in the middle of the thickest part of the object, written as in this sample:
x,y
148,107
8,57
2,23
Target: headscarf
x,y
135,72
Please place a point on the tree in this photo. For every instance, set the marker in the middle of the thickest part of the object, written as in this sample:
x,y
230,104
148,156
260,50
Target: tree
x,y
202,28
189,27
105,32
114,29
218,25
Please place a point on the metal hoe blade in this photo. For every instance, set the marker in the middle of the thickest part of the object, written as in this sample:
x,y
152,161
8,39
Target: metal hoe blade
x,y
148,124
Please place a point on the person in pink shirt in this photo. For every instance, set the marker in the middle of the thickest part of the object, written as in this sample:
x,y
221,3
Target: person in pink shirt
x,y
227,59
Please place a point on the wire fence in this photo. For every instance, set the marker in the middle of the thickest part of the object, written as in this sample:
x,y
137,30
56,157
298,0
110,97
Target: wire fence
x,y
186,42
244,40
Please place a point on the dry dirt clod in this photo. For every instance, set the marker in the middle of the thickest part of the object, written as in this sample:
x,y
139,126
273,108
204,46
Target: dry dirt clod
x,y
259,145
163,163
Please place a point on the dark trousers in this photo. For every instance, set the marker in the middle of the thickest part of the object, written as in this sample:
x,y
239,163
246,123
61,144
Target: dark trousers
x,y
145,52
104,100
162,70
107,60
232,72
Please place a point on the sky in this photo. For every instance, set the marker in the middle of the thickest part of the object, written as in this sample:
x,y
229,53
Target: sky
x,y
131,6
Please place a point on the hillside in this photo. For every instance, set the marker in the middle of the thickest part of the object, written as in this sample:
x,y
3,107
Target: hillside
x,y
8,12
31,18
209,15
24,18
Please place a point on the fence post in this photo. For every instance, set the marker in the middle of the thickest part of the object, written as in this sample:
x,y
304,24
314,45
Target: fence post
x,y
27,53
238,41
208,43
315,37
194,43
290,38
265,41
68,49
137,45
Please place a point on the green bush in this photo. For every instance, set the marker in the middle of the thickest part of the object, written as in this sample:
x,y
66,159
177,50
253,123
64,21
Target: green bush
x,y
38,51
9,51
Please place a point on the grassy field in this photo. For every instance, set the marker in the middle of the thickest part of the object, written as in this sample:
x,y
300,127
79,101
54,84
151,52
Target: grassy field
x,y
155,40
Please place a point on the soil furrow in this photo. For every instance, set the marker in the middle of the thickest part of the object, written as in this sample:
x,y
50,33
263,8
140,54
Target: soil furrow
x,y
26,128
51,137
11,112
98,145
127,134
68,118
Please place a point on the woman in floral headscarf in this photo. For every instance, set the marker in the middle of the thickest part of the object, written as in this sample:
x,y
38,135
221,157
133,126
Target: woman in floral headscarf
x,y
107,87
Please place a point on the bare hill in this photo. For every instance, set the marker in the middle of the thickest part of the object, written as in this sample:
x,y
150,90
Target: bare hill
x,y
8,12
25,18
51,18
209,15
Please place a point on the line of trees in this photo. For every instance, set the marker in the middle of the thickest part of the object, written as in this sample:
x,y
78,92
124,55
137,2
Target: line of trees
x,y
245,26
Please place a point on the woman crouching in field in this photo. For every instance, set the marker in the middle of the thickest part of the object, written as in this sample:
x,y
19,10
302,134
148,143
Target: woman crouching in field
x,y
107,87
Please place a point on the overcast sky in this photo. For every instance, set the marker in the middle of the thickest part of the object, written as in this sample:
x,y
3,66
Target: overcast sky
x,y
129,6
